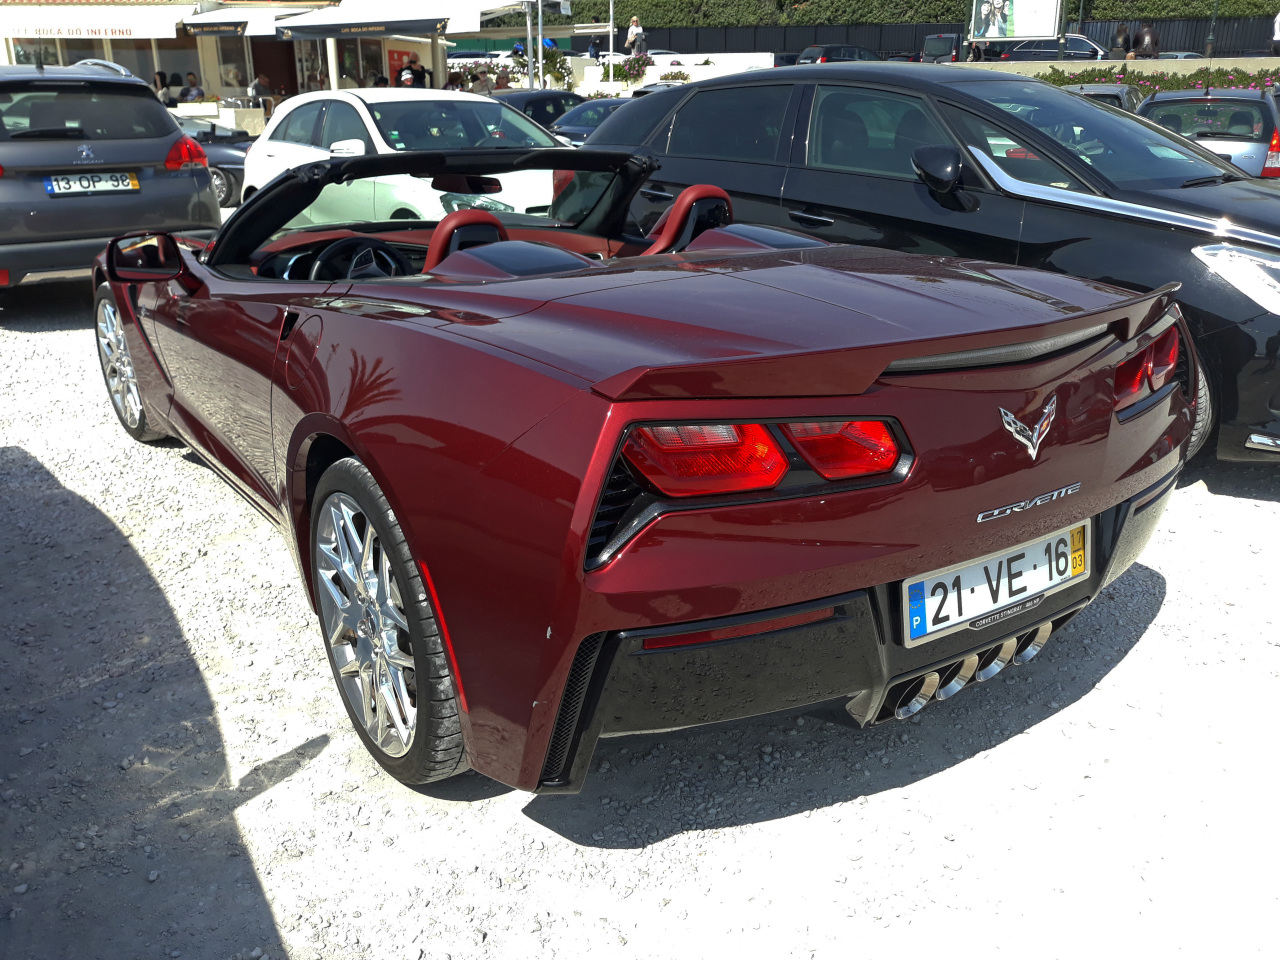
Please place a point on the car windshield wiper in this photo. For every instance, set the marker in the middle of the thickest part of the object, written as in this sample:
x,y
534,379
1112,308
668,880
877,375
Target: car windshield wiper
x,y
1216,178
1222,134
52,133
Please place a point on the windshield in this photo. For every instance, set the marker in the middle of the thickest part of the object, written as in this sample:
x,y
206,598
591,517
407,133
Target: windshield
x,y
455,124
937,46
81,112
589,114
1128,152
1209,119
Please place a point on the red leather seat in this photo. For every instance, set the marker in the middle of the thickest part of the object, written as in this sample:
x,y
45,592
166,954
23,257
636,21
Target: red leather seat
x,y
462,229
675,228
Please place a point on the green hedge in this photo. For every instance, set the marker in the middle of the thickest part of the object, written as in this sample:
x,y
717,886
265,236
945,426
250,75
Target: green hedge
x,y
1151,80
1172,9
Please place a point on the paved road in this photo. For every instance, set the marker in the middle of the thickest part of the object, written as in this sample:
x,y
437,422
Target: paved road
x,y
179,777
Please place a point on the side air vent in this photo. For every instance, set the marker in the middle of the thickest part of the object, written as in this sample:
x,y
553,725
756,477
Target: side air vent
x,y
575,693
994,356
620,494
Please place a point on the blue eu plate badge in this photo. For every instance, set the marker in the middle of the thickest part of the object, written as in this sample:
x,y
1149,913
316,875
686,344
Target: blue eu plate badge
x,y
915,610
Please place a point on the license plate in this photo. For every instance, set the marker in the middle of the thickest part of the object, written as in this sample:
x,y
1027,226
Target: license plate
x,y
981,593
90,183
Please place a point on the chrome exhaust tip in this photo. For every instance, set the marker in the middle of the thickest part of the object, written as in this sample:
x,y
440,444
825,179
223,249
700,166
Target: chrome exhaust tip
x,y
1030,644
954,678
992,661
915,695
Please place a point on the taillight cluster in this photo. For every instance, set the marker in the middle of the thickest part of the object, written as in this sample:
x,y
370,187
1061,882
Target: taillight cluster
x,y
185,154
690,460
1148,370
560,179
1272,167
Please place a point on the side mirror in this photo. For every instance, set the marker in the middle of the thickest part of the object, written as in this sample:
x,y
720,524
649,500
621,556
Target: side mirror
x,y
467,183
564,141
938,167
143,258
347,148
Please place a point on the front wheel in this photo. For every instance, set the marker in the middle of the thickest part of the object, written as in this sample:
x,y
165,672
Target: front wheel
x,y
117,367
381,633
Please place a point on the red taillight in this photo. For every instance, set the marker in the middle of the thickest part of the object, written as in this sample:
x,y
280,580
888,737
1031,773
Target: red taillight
x,y
1272,167
185,153
742,630
4,278
822,59
1,171
1004,56
559,180
1164,358
840,449
697,459
1020,153
1146,372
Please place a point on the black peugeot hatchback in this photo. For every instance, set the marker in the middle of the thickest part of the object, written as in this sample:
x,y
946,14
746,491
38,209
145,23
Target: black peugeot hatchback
x,y
973,163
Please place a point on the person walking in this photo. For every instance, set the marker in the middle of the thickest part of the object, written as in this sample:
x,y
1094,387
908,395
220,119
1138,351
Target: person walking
x,y
1121,43
635,38
593,45
1146,45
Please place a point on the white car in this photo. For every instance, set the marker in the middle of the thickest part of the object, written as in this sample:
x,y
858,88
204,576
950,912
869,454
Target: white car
x,y
354,123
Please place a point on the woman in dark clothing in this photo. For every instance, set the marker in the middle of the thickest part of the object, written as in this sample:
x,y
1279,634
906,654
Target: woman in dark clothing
x,y
1121,43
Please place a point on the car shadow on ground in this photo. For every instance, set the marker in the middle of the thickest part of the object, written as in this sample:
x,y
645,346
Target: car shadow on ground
x,y
1251,481
48,306
644,789
117,812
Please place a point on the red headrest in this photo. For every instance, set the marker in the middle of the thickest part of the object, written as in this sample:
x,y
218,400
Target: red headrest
x,y
442,238
672,223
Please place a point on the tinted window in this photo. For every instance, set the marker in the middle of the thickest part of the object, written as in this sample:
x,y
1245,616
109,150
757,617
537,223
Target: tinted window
x,y
588,114
299,126
1012,155
742,123
869,131
1109,98
342,122
444,124
29,112
809,55
937,46
1212,119
1123,149
634,121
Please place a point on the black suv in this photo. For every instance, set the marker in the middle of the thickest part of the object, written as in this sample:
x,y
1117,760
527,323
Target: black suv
x,y
87,153
975,163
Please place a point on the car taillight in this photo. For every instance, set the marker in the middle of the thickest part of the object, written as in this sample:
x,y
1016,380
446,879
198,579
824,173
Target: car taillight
x,y
1146,372
1272,167
822,59
1,171
184,154
1004,56
698,459
559,180
840,449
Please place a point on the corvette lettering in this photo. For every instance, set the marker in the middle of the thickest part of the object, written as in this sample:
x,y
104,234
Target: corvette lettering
x,y
1044,498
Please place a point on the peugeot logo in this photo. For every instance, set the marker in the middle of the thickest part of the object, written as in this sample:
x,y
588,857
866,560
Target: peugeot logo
x,y
86,151
1029,438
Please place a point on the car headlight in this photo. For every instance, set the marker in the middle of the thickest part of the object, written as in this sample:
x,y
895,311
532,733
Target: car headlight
x,y
1254,273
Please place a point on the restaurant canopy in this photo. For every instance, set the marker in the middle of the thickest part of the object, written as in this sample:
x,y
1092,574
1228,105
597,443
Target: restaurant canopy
x,y
149,21
382,18
232,22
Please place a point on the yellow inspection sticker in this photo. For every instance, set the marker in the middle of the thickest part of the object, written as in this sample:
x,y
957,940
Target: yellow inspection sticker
x,y
1078,565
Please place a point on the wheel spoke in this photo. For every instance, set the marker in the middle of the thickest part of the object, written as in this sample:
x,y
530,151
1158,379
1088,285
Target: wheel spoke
x,y
398,658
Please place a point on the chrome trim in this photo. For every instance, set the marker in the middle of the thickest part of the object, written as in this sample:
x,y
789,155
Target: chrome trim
x,y
1221,227
991,356
67,273
1263,441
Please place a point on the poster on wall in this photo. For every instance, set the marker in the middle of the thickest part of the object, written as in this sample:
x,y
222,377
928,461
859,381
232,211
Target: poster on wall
x,y
1016,19
397,60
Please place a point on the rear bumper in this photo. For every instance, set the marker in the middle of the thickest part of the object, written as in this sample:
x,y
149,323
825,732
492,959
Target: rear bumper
x,y
51,260
616,686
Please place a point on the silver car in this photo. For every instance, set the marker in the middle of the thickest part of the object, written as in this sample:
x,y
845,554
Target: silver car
x,y
1238,125
88,153
1126,96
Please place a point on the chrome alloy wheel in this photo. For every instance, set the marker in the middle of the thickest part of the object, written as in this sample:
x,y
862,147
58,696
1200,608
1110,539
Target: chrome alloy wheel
x,y
117,365
365,625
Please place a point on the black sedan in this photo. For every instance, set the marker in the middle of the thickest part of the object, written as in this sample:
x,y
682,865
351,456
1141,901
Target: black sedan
x,y
987,165
226,149
580,122
543,106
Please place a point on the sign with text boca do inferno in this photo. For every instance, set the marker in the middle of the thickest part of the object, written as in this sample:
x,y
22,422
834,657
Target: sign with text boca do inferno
x,y
78,21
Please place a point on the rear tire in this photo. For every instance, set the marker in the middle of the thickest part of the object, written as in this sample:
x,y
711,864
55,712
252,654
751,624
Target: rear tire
x,y
380,631
118,372
1202,429
224,187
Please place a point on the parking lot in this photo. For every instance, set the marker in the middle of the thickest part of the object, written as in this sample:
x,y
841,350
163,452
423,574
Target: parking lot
x,y
180,779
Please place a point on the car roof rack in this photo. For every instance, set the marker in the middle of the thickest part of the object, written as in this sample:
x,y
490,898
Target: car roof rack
x,y
107,64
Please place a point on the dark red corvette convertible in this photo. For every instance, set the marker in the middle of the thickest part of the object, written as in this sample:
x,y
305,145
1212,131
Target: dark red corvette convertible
x,y
548,481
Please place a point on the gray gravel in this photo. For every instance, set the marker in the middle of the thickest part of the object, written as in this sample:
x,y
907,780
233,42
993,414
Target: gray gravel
x,y
178,778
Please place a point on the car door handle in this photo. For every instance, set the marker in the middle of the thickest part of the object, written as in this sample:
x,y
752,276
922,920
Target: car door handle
x,y
810,219
656,194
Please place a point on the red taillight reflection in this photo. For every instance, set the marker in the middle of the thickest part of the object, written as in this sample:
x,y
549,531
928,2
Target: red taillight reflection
x,y
742,630
560,179
185,153
1146,372
840,449
698,459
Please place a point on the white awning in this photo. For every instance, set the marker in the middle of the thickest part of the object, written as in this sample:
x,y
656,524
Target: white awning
x,y
91,22
232,22
383,18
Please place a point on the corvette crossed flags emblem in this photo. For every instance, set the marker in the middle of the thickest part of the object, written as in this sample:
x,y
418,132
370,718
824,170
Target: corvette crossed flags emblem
x,y
1029,438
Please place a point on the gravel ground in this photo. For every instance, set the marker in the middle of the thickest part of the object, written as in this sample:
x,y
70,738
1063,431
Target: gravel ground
x,y
179,779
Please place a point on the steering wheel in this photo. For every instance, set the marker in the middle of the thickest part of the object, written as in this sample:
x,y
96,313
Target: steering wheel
x,y
370,257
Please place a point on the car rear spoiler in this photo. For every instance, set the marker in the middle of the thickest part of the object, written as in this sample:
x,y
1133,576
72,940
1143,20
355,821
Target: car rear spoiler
x,y
851,371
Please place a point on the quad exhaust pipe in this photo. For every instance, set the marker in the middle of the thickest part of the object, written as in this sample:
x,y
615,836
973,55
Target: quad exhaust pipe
x,y
909,697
